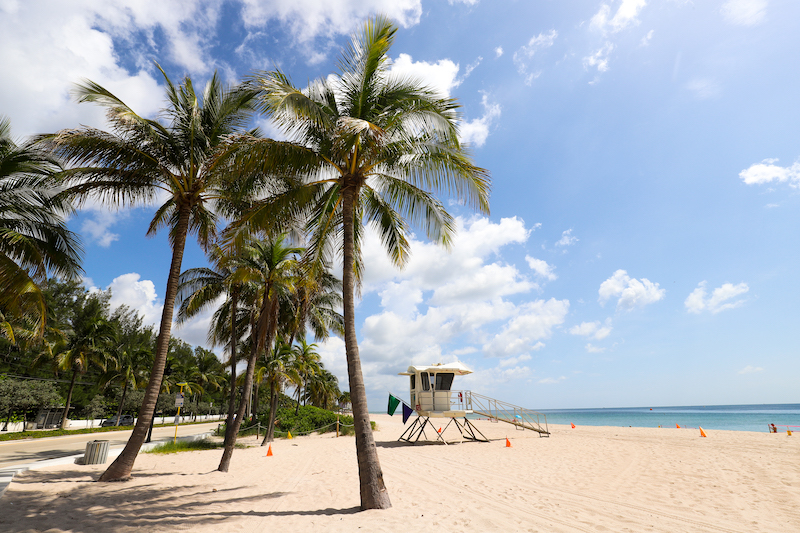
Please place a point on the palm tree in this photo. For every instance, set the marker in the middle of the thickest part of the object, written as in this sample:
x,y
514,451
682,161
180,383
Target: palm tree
x,y
269,264
89,345
143,158
322,390
370,146
34,238
280,370
307,364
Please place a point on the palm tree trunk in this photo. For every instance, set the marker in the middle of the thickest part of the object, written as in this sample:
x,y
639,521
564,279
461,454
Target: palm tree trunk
x,y
372,488
227,453
269,435
64,420
297,407
232,401
122,466
121,401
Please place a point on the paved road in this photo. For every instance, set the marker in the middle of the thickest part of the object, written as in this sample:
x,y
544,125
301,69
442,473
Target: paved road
x,y
16,452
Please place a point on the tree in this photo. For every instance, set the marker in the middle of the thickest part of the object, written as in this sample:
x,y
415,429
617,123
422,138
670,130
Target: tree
x,y
142,158
306,364
19,396
89,344
34,239
267,264
370,146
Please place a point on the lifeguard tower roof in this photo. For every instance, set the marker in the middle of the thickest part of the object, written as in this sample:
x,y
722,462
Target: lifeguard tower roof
x,y
459,369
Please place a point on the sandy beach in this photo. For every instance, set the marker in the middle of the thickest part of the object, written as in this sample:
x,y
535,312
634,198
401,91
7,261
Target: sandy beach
x,y
585,479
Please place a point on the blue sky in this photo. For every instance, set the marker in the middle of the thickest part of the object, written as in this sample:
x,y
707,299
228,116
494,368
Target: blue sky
x,y
645,157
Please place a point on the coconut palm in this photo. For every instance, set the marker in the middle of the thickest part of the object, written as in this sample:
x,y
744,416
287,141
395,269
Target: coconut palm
x,y
269,264
371,146
322,389
34,239
143,159
307,364
280,371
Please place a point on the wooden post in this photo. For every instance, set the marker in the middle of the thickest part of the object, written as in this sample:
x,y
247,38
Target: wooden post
x,y
337,425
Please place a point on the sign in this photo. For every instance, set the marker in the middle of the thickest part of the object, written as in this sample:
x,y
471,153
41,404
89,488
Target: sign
x,y
179,400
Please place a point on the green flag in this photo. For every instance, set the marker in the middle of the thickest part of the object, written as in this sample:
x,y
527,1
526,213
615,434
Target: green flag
x,y
393,403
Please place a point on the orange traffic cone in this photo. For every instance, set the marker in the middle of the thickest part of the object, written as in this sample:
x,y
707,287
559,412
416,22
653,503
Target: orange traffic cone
x,y
703,433
573,425
440,429
677,426
269,451
508,443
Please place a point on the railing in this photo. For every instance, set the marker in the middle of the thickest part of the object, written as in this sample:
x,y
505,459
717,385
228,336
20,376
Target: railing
x,y
505,412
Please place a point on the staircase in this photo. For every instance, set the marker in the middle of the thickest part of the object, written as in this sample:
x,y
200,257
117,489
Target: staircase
x,y
500,411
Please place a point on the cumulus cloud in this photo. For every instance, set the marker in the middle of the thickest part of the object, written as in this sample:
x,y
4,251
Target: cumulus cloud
x,y
441,75
498,51
750,369
533,322
594,329
524,55
541,268
591,348
631,292
567,238
767,171
744,12
476,131
138,294
627,15
699,301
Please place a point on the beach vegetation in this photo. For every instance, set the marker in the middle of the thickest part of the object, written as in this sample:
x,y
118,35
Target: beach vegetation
x,y
187,446
143,159
371,147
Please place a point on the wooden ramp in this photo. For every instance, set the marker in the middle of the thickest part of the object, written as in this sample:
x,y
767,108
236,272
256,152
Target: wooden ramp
x,y
499,411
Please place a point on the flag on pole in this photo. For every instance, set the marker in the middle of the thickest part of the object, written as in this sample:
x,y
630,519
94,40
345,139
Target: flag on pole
x,y
406,412
393,403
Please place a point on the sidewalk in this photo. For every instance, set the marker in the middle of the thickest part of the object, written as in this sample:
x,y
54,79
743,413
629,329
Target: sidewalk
x,y
7,474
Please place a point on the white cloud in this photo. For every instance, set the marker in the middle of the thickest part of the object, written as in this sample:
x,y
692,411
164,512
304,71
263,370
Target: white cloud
x,y
498,51
551,381
631,291
514,361
533,322
647,38
703,89
541,268
309,19
627,15
524,55
699,301
476,131
767,171
592,329
441,76
750,369
97,227
744,12
591,348
138,294
567,239
599,59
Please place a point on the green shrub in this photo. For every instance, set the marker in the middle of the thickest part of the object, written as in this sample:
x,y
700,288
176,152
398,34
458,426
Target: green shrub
x,y
309,420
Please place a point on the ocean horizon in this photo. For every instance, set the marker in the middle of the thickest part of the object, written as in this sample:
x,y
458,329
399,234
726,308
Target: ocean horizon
x,y
745,417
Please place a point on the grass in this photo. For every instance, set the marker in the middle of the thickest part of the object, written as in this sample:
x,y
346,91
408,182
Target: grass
x,y
188,446
44,433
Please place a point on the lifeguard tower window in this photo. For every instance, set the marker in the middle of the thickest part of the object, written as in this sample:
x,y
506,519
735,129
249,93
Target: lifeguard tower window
x,y
426,384
444,381
413,381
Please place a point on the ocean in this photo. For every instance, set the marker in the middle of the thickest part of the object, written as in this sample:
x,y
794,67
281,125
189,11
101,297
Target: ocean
x,y
732,417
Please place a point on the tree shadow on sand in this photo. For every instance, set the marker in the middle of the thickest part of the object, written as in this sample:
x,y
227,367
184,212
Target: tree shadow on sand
x,y
85,506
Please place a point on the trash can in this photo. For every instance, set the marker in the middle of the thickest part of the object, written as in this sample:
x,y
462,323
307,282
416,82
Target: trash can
x,y
96,452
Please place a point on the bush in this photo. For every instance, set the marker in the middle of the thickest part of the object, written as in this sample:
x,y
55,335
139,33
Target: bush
x,y
309,420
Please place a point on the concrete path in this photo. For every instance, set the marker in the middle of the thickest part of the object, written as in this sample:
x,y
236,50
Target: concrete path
x,y
31,454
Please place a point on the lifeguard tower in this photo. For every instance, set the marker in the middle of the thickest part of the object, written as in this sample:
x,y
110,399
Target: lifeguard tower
x,y
432,396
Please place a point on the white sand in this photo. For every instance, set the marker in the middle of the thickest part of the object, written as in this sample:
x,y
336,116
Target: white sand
x,y
584,479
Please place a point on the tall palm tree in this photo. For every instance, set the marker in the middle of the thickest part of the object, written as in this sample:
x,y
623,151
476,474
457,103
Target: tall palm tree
x,y
280,371
133,356
322,390
142,159
307,364
34,239
270,264
371,146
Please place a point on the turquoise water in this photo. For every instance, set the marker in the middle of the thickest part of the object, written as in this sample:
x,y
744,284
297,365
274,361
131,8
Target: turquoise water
x,y
733,417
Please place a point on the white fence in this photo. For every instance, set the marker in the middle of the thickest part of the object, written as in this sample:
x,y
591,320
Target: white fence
x,y
82,424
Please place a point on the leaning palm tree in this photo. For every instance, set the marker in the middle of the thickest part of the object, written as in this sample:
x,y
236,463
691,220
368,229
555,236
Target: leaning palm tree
x,y
144,159
371,146
34,239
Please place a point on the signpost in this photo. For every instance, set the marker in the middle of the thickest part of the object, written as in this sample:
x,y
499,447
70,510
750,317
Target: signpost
x,y
178,404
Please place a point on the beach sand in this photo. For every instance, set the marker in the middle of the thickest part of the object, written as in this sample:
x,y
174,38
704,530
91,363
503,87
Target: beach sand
x,y
585,479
